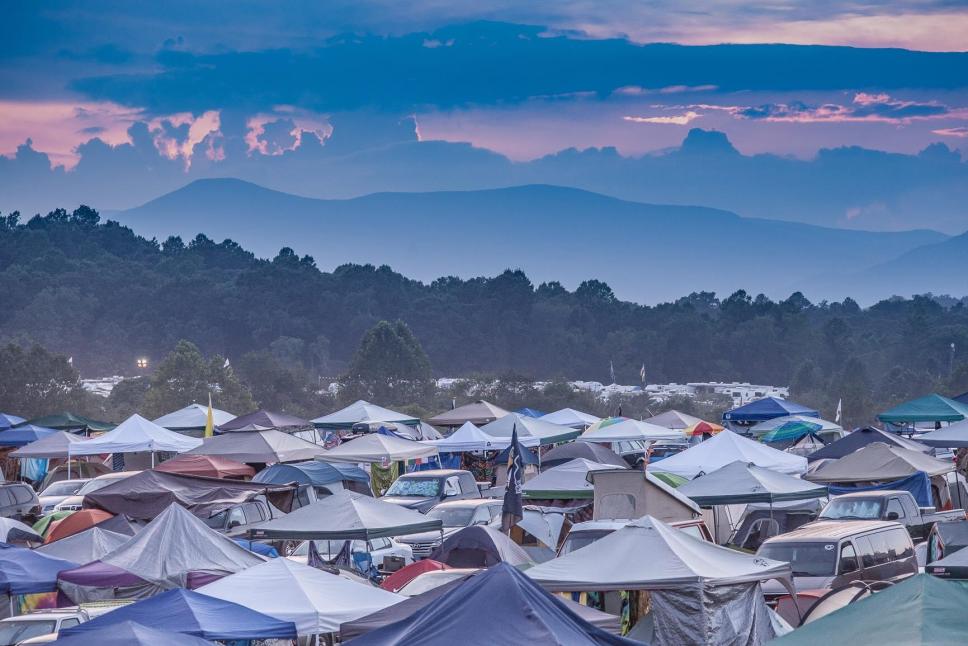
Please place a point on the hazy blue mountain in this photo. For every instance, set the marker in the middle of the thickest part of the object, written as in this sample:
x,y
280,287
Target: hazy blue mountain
x,y
647,253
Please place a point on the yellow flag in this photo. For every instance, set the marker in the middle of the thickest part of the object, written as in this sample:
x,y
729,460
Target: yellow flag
x,y
209,419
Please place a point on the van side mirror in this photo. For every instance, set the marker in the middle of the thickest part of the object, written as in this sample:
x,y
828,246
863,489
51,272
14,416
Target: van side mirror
x,y
235,523
892,515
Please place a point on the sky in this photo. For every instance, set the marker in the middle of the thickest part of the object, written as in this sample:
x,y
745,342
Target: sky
x,y
116,83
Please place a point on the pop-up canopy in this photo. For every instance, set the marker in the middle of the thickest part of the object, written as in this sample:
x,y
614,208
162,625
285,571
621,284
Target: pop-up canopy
x,y
470,438
70,422
50,446
860,438
725,448
931,408
953,436
135,435
880,462
570,417
129,633
25,434
379,448
528,427
479,412
7,420
565,481
259,447
767,408
193,417
264,419
362,412
739,483
619,429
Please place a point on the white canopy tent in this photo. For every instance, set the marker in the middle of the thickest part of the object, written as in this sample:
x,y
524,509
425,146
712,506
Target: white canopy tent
x,y
316,601
568,480
52,446
629,430
570,417
362,412
725,448
378,448
470,438
529,427
135,435
192,417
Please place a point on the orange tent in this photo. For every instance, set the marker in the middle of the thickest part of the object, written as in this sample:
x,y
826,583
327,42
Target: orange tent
x,y
76,522
702,427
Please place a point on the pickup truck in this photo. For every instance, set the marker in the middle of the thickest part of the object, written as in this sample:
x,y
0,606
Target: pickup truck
x,y
421,490
897,506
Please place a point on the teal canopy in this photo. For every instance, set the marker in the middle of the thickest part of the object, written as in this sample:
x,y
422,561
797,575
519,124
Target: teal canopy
x,y
932,408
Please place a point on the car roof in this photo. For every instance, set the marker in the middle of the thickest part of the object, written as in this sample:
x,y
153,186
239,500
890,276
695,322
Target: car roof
x,y
871,494
610,523
116,474
831,530
435,473
469,502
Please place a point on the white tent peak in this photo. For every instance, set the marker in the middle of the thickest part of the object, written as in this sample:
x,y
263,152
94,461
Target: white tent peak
x,y
362,411
725,448
193,416
133,435
570,417
378,447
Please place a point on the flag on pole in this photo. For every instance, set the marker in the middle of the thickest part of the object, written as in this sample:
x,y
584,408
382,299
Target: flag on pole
x,y
611,370
226,364
209,418
70,361
840,410
513,509
642,374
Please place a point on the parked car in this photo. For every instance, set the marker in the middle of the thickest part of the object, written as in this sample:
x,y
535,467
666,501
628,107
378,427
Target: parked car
x,y
583,534
230,520
456,515
379,549
39,624
57,492
898,506
75,502
829,554
19,501
422,490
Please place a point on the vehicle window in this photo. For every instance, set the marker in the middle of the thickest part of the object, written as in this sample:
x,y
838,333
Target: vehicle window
x,y
322,492
907,502
807,559
866,551
428,487
452,516
495,511
216,521
894,505
881,546
452,486
236,517
14,632
380,543
302,495
852,509
253,513
63,488
899,544
69,623
6,498
692,530
23,494
760,530
848,559
580,539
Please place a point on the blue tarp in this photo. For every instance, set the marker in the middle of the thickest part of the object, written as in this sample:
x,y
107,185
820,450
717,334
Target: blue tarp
x,y
24,434
311,472
767,408
529,412
129,633
257,547
189,613
498,606
918,484
7,420
24,571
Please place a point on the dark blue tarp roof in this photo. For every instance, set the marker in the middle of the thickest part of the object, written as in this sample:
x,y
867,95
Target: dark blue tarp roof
x,y
767,408
129,633
498,606
24,434
190,613
529,412
24,571
860,438
257,547
528,456
311,472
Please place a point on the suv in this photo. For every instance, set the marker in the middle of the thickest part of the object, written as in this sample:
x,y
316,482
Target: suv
x,y
378,549
246,513
76,502
831,554
422,490
57,492
455,515
16,630
19,502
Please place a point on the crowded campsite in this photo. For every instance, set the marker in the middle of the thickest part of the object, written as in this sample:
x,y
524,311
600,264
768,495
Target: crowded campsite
x,y
479,525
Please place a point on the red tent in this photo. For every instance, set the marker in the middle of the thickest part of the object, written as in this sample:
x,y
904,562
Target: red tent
x,y
76,522
407,574
210,466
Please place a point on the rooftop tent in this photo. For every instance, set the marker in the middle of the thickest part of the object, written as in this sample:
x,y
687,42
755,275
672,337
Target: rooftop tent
x,y
259,447
264,419
86,546
498,606
587,450
71,422
568,480
25,434
480,546
14,531
147,494
191,613
49,446
725,448
129,633
919,610
24,571
193,417
470,438
479,412
361,412
615,429
313,472
209,466
7,420
931,408
380,448
314,600
175,550
954,436
860,438
529,427
818,425
530,412
767,408
878,462
345,515
739,483
134,435
570,417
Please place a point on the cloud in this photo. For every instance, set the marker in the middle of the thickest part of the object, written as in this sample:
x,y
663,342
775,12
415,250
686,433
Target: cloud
x,y
960,131
677,120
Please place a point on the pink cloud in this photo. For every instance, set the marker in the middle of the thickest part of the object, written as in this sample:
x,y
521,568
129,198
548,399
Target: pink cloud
x,y
677,120
960,131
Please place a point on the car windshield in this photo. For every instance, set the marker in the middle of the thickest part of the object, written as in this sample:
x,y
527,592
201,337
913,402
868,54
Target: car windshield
x,y
94,485
63,488
426,487
578,540
14,632
452,516
852,509
807,559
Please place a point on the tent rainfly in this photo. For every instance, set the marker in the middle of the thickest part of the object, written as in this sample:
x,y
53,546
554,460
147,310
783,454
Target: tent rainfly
x,y
479,546
208,466
264,419
362,412
86,546
738,483
193,417
570,417
470,438
725,448
70,422
25,434
129,633
821,425
565,481
478,413
587,450
954,436
259,447
378,448
51,446
860,438
135,435
617,429
879,462
529,427
931,408
767,408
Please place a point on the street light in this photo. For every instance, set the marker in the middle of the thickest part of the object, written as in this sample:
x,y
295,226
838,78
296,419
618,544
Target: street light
x,y
142,362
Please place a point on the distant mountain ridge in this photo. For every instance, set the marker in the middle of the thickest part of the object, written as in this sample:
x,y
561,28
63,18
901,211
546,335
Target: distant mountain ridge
x,y
647,253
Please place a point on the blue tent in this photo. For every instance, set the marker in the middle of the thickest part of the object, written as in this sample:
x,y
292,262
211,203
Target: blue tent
x,y
312,472
257,547
24,571
24,434
129,633
7,420
529,412
767,408
498,606
189,613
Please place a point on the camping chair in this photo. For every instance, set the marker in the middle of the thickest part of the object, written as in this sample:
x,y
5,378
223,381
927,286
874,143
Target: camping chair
x,y
363,562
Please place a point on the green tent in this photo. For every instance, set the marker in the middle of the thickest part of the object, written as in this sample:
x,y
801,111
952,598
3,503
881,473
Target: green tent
x,y
70,421
932,408
920,610
42,525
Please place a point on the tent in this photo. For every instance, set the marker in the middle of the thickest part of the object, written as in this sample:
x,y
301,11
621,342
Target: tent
x,y
71,422
931,408
725,448
565,481
362,412
209,466
264,419
135,435
479,546
379,448
815,424
689,425
314,600
259,447
529,412
24,571
767,408
570,417
175,550
408,573
470,438
25,434
479,412
86,546
7,420
14,531
49,446
345,515
193,417
588,450
617,429
498,606
919,610
418,432
528,427
129,633
739,483
878,462
149,493
954,436
74,523
861,437
191,613
317,474
43,525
